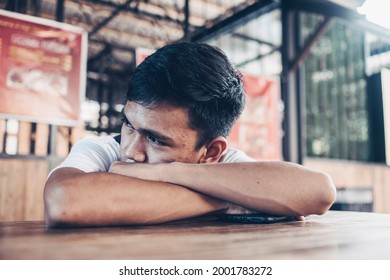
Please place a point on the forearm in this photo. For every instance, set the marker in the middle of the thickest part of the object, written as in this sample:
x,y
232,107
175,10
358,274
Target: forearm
x,y
276,187
93,199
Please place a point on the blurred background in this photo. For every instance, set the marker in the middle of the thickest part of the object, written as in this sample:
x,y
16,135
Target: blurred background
x,y
315,72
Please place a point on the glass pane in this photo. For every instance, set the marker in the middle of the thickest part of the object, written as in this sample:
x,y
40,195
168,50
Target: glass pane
x,y
336,97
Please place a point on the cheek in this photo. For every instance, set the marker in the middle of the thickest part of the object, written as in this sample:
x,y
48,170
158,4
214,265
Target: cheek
x,y
187,156
192,158
123,150
125,141
169,155
159,155
123,129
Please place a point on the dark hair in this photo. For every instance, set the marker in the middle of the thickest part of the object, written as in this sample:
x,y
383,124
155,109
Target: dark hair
x,y
197,77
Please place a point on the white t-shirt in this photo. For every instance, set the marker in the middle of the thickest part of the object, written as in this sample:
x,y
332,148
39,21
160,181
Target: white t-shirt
x,y
96,154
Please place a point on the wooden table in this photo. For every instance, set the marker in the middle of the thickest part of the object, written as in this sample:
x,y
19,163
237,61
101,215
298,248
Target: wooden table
x,y
335,235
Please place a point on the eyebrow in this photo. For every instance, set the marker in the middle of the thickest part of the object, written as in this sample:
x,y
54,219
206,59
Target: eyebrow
x,y
150,132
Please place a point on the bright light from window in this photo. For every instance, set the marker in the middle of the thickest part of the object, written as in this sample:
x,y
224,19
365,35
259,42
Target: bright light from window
x,y
376,11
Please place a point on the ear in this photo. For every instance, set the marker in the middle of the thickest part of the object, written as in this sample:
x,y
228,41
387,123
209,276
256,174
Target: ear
x,y
214,150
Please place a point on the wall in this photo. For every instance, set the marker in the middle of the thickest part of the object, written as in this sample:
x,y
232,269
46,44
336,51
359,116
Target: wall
x,y
21,189
25,167
348,174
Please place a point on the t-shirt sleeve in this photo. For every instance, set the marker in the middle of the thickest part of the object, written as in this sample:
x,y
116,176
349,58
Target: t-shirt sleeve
x,y
93,154
234,155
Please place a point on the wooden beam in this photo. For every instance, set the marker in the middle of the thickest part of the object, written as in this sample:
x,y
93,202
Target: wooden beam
x,y
24,138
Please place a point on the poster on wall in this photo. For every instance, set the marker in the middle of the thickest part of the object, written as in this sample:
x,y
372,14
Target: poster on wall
x,y
258,132
43,69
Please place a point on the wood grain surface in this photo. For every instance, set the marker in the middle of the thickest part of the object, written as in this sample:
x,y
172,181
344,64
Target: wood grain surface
x,y
335,235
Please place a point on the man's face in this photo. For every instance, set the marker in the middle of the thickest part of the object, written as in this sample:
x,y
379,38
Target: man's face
x,y
158,134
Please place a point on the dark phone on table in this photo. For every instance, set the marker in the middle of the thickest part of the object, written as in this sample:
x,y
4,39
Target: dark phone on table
x,y
257,218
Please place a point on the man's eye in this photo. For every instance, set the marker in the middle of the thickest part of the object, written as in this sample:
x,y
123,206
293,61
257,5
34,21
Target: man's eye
x,y
155,141
127,124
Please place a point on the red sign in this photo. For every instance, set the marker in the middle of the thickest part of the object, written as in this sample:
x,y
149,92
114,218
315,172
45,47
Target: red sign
x,y
258,130
43,69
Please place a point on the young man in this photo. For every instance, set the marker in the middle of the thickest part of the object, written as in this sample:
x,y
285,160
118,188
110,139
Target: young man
x,y
173,160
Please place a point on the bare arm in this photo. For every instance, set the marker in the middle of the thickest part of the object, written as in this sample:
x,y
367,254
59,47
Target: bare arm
x,y
274,187
73,197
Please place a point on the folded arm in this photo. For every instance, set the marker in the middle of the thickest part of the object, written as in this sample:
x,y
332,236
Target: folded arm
x,y
275,187
75,198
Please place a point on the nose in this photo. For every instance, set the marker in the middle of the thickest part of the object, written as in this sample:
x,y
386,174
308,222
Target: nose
x,y
136,149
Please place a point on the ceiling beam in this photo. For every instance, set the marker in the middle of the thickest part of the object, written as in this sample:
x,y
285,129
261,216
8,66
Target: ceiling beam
x,y
19,6
250,38
114,13
242,16
315,37
323,7
186,20
258,57
124,31
137,11
60,5
349,16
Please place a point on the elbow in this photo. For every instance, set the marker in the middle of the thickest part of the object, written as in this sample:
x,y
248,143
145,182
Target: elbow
x,y
54,203
325,194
